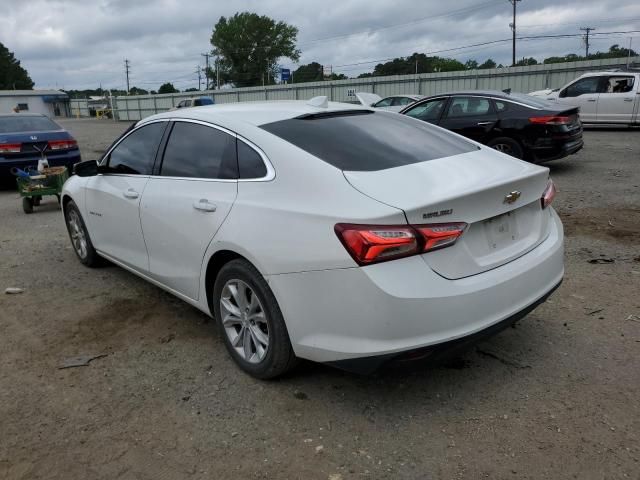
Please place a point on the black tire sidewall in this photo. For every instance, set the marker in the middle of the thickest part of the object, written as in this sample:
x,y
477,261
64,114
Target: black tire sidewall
x,y
279,358
518,151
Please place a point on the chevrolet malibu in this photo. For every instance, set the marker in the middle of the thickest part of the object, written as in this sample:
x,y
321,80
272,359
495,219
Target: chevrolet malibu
x,y
321,231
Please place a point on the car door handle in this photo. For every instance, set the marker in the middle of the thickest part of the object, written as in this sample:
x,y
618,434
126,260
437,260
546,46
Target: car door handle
x,y
591,99
628,99
482,124
204,205
131,193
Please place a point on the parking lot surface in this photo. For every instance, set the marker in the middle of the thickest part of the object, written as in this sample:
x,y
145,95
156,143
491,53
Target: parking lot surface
x,y
554,397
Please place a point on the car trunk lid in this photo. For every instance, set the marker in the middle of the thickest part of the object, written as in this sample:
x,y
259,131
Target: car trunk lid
x,y
497,196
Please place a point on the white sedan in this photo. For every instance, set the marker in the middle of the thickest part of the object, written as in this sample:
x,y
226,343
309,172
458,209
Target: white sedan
x,y
320,230
394,103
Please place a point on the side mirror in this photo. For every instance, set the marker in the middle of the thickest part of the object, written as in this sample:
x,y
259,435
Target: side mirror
x,y
88,168
563,93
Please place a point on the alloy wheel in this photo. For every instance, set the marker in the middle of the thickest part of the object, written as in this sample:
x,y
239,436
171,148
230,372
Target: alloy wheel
x,y
78,238
244,321
503,147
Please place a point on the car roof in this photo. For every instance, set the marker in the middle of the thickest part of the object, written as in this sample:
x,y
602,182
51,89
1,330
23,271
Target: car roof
x,y
254,113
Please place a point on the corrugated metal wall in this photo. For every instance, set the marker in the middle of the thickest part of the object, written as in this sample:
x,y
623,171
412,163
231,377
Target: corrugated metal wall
x,y
519,79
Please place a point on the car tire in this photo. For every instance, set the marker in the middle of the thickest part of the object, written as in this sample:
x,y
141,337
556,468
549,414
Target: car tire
x,y
250,321
79,236
27,205
36,201
507,145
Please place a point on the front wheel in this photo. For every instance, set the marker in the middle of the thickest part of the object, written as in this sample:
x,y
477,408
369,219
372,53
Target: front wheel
x,y
79,236
507,145
250,321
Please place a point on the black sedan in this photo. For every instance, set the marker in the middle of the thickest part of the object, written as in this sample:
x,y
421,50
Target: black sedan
x,y
513,123
27,137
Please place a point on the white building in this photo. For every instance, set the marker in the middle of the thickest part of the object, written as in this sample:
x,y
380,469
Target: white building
x,y
52,103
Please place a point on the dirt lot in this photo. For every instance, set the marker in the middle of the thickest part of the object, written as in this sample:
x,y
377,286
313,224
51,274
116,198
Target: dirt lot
x,y
556,397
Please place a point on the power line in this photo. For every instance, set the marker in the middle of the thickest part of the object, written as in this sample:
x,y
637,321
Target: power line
x,y
586,39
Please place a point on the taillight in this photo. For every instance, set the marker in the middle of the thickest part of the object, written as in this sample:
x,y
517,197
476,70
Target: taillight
x,y
62,144
440,235
369,244
549,194
10,147
376,243
550,120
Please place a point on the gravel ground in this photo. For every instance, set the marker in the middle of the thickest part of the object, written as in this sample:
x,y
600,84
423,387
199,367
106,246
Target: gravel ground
x,y
555,397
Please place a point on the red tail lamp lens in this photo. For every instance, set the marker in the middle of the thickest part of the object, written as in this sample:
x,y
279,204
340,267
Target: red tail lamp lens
x,y
62,144
10,147
550,120
549,194
369,244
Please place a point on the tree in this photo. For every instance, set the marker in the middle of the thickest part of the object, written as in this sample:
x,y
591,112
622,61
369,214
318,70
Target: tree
x,y
311,72
526,61
249,46
489,63
167,88
192,89
12,75
471,64
138,91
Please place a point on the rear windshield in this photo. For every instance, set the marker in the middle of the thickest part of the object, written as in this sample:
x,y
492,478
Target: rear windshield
x,y
368,141
16,124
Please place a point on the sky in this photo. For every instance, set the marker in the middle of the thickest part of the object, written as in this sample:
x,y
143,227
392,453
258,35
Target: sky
x,y
78,44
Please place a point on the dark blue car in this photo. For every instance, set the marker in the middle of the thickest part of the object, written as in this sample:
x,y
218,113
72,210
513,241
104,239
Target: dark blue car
x,y
25,137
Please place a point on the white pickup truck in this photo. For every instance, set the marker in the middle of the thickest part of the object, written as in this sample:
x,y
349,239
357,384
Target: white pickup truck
x,y
603,97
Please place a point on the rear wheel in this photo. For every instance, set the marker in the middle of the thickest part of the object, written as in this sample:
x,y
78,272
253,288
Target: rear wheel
x,y
79,236
507,145
250,321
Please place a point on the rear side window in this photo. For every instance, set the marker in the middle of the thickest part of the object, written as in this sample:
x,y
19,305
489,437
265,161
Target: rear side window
x,y
137,152
368,141
198,151
468,107
250,163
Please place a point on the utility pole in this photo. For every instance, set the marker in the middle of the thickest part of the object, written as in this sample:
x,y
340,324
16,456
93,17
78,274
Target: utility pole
x,y
217,73
513,29
126,70
198,71
586,39
206,72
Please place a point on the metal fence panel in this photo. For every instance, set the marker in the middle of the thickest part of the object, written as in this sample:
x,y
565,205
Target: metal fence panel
x,y
519,79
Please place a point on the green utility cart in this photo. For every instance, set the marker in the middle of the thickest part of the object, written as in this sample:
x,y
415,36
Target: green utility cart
x,y
33,188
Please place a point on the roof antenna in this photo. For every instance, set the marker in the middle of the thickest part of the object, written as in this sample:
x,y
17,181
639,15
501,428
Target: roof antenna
x,y
507,91
319,102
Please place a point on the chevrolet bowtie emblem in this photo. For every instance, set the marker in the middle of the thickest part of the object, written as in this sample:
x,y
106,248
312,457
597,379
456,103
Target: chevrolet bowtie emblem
x,y
512,196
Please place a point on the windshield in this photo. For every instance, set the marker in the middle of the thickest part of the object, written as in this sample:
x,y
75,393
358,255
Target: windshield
x,y
368,141
17,124
529,100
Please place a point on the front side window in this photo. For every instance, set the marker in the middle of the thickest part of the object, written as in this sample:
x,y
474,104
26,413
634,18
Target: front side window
x,y
137,152
468,107
582,87
428,111
198,151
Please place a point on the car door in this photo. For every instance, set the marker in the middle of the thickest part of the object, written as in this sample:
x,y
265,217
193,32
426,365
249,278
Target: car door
x,y
186,201
471,116
428,111
616,102
583,93
112,199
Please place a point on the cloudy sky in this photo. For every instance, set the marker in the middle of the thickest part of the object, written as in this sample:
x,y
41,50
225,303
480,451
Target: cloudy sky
x,y
83,43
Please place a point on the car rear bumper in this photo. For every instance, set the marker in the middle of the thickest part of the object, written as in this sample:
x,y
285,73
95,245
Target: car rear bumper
x,y
67,159
558,149
399,306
